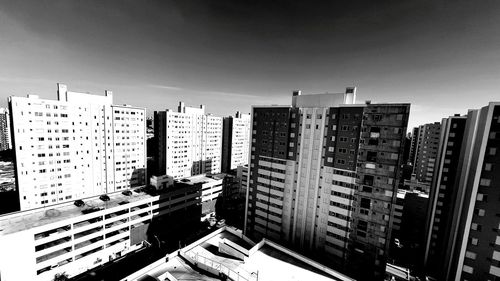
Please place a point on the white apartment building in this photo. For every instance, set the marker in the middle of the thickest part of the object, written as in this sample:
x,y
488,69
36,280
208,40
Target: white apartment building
x,y
189,142
236,139
5,142
77,146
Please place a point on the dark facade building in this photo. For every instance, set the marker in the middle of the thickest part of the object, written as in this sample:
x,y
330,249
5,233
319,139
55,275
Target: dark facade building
x,y
442,192
471,247
413,146
426,153
408,237
323,177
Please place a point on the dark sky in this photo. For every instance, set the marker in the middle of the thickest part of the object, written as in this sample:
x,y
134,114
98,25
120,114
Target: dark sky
x,y
441,56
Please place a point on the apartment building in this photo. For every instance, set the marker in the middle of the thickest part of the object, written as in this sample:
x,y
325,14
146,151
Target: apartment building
x,y
5,142
189,142
441,205
77,146
409,228
38,244
413,146
242,175
304,168
211,189
235,143
378,171
471,245
426,151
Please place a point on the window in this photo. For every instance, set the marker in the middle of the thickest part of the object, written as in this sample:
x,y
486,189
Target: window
x,y
468,269
365,203
371,156
485,182
493,151
330,159
487,166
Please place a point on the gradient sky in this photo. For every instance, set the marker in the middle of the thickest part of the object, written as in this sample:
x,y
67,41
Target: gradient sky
x,y
441,56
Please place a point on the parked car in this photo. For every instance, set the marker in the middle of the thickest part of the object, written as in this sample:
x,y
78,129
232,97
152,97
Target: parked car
x,y
221,223
127,192
104,197
79,203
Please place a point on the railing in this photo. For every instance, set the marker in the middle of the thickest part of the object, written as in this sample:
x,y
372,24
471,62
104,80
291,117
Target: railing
x,y
219,267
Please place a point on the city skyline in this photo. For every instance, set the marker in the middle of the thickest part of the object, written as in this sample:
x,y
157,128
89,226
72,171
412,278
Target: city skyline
x,y
230,55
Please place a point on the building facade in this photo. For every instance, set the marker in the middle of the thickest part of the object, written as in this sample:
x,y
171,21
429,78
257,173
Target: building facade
x,y
303,177
77,146
442,191
5,142
426,151
38,244
413,146
472,243
189,142
236,136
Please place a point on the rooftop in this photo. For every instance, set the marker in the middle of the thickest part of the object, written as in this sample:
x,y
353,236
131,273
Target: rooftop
x,y
203,178
226,251
23,220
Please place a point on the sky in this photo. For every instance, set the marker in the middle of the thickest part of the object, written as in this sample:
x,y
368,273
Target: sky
x,y
443,57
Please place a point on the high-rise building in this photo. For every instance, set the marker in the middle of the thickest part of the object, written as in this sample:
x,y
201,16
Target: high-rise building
x,y
235,142
323,176
469,158
189,142
77,146
426,151
377,169
5,142
442,190
413,146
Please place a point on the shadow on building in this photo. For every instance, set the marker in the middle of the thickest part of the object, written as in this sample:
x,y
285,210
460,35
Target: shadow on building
x,y
231,202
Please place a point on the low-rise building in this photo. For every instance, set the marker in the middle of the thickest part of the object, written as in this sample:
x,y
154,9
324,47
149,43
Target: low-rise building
x,y
227,253
211,189
38,244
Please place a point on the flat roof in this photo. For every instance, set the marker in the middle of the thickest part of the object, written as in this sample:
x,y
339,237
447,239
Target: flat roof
x,y
264,261
201,178
23,220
